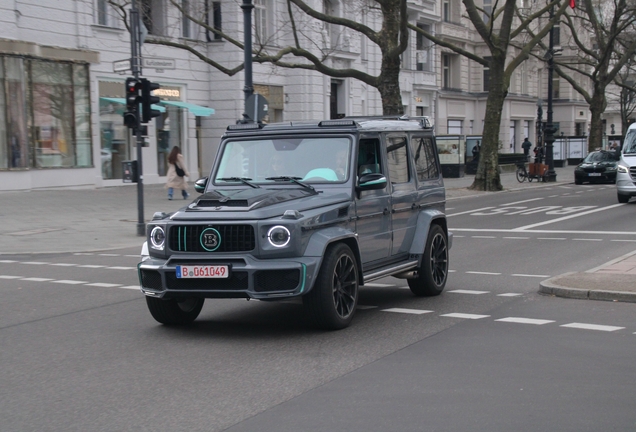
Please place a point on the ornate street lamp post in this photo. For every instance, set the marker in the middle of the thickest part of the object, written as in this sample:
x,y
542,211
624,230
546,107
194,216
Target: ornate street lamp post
x,y
549,127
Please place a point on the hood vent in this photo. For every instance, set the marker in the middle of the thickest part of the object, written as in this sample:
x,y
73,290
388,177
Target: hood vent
x,y
218,203
343,212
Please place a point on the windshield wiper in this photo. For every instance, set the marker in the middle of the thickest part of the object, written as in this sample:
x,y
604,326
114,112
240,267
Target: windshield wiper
x,y
294,180
240,179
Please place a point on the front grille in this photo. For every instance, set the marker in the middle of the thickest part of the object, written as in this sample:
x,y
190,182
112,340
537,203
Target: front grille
x,y
234,238
276,280
151,279
238,280
597,169
632,171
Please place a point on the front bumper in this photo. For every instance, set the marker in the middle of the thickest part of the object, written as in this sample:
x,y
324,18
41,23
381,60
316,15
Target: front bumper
x,y
625,185
605,176
249,277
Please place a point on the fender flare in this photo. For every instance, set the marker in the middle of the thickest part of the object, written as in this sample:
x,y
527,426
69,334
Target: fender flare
x,y
424,221
320,241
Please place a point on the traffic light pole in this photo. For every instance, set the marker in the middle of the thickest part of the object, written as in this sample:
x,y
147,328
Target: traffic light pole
x,y
135,60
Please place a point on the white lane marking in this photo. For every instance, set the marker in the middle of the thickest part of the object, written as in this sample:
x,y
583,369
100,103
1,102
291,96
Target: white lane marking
x,y
83,253
63,264
69,282
133,287
91,266
490,237
7,261
10,277
585,213
592,327
103,284
583,239
465,316
365,307
460,291
469,211
407,311
517,238
121,268
109,254
35,279
620,240
530,275
378,285
525,320
529,231
509,295
452,271
521,202
551,238
483,273
33,262
458,236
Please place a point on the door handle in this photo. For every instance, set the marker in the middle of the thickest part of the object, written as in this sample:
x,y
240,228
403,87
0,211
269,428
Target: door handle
x,y
385,211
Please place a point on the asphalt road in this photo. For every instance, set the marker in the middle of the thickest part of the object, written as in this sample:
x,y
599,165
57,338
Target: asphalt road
x,y
80,352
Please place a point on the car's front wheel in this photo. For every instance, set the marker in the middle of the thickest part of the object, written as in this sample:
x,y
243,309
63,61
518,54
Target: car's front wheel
x,y
175,311
622,198
332,301
433,271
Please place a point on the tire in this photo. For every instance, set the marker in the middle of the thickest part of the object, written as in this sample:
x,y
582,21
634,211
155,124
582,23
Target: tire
x,y
578,181
622,198
521,177
333,300
173,311
433,273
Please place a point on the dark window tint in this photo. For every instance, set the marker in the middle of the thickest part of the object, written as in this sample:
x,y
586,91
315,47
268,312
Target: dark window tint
x,y
397,158
424,157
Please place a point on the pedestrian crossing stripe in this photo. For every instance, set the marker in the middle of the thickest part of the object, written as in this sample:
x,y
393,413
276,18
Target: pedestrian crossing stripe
x,y
407,311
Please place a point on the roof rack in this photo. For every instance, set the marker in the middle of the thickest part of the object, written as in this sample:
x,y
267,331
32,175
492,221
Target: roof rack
x,y
424,121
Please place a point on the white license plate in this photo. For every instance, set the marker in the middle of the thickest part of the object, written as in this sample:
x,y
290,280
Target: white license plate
x,y
595,174
202,271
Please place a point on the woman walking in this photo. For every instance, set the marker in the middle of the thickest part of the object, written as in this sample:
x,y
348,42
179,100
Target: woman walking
x,y
177,172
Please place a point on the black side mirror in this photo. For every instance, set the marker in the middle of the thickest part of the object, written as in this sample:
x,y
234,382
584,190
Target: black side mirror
x,y
200,184
371,181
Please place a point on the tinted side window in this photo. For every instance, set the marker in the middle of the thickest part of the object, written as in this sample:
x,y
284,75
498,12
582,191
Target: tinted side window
x,y
369,160
424,156
397,158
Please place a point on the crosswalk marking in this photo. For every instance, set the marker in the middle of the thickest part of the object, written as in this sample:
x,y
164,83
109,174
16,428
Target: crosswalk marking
x,y
460,291
483,273
465,316
509,295
69,282
407,311
103,284
7,261
33,262
132,287
525,320
530,275
10,277
35,279
592,327
91,266
63,264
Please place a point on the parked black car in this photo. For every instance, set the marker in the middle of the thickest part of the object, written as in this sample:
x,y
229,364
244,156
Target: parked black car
x,y
598,166
304,209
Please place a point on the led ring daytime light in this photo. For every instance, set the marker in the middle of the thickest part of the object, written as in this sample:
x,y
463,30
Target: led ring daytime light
x,y
157,237
278,236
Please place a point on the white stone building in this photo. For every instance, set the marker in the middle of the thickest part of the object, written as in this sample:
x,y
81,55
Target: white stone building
x,y
61,102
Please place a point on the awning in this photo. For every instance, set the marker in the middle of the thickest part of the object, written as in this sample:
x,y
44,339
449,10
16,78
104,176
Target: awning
x,y
123,102
197,110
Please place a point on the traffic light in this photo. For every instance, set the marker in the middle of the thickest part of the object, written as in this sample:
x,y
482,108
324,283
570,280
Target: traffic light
x,y
133,86
147,100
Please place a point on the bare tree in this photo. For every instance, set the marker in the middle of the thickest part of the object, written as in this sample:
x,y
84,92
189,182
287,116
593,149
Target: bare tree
x,y
600,61
506,34
307,53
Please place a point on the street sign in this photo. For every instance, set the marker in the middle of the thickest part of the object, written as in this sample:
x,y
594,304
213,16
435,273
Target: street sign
x,y
121,65
159,63
256,107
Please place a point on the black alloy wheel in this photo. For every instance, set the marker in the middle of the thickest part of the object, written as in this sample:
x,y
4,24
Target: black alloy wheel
x,y
433,272
175,311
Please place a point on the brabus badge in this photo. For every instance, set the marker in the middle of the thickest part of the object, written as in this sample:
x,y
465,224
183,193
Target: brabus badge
x,y
210,239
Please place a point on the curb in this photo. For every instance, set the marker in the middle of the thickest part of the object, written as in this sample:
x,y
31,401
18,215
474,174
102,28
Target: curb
x,y
549,287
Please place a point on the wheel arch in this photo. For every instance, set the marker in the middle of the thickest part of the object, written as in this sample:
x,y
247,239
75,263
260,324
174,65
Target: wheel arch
x,y
425,219
321,240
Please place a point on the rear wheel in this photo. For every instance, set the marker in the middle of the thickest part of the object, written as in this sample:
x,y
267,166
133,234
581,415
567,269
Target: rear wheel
x,y
622,198
332,301
175,311
521,175
433,271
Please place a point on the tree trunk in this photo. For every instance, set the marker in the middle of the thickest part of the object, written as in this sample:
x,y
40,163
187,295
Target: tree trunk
x,y
597,107
487,176
389,86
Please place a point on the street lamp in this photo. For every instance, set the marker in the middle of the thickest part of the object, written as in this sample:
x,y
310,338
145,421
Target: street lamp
x,y
549,127
539,122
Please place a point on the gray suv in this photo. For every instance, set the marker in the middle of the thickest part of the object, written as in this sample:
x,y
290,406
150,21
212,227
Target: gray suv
x,y
304,209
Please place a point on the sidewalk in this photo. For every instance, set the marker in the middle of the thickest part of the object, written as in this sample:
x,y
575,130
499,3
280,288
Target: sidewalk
x,y
89,219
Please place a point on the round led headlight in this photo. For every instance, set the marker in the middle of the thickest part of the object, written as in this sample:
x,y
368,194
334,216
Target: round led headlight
x,y
157,237
278,236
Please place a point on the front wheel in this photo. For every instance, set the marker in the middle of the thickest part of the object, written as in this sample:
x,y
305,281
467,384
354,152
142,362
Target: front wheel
x,y
521,175
433,271
333,300
175,311
622,198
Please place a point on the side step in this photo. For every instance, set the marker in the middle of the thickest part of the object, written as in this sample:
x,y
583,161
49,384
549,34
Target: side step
x,y
395,270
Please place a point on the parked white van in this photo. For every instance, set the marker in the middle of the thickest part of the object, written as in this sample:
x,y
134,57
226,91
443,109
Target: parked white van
x,y
626,175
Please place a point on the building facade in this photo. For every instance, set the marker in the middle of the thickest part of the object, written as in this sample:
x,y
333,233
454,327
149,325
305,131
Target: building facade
x,y
62,82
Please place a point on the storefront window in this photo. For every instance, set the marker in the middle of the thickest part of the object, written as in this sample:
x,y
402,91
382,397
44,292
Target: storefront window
x,y
169,133
115,138
83,145
15,142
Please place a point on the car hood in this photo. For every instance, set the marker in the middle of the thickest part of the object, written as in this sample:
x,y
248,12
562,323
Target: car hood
x,y
259,203
597,164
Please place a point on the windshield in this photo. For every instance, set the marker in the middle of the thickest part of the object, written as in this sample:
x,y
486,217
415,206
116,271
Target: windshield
x,y
629,146
271,160
601,157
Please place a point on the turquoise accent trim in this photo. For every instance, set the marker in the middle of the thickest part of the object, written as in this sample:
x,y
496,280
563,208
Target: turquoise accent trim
x,y
185,247
197,110
304,276
373,182
326,173
179,239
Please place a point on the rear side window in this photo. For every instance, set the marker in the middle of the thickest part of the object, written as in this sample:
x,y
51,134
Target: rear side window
x,y
397,158
424,157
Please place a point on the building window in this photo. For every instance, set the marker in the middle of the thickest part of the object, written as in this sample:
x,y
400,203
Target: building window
x,y
446,11
454,127
152,16
332,8
487,10
556,34
261,22
105,14
363,39
54,107
423,50
446,71
213,18
186,23
486,75
555,87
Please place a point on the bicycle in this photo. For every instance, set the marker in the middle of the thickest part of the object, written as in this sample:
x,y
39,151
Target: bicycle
x,y
522,174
